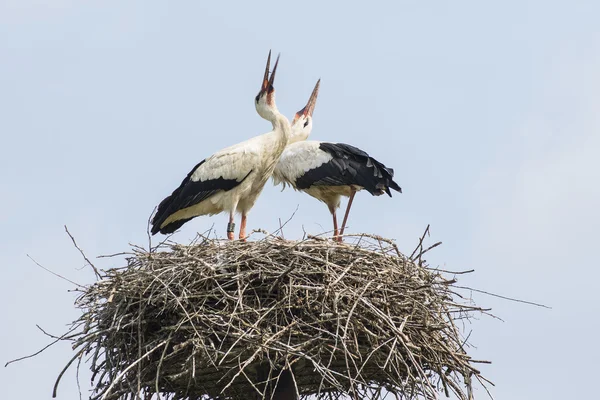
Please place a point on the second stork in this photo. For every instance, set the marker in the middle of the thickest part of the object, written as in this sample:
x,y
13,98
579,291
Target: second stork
x,y
328,171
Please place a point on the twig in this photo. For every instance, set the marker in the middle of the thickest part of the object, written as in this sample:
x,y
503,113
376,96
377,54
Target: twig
x,y
120,376
286,222
42,349
54,273
504,297
75,357
82,253
433,246
148,224
420,245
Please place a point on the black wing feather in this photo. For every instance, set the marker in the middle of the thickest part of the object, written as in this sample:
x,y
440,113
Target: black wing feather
x,y
186,195
350,166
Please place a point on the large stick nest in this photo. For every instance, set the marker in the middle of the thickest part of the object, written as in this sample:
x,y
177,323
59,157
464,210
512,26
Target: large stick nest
x,y
216,320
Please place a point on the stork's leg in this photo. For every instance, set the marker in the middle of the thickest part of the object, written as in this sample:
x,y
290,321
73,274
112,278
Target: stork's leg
x,y
231,227
352,193
243,228
335,224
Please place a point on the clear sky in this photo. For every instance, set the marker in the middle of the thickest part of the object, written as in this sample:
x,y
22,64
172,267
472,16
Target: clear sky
x,y
489,114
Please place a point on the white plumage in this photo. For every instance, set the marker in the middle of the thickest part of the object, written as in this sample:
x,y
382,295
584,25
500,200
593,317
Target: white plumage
x,y
232,179
297,159
244,163
328,171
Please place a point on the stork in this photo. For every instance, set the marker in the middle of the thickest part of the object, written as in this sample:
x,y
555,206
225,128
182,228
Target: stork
x,y
328,171
231,179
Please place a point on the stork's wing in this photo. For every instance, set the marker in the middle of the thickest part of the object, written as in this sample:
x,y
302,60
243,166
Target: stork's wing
x,y
348,165
222,171
296,160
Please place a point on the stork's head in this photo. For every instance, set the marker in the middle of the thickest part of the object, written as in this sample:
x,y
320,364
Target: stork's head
x,y
302,123
265,99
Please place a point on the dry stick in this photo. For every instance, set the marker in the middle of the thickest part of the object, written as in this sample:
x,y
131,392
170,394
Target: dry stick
x,y
63,337
122,253
420,245
79,353
245,333
480,378
82,253
256,353
346,331
433,246
148,229
77,378
281,229
285,223
54,273
162,357
139,338
503,297
375,237
118,378
280,278
451,272
42,349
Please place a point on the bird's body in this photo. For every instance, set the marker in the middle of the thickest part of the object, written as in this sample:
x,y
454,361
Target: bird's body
x,y
228,181
328,171
231,179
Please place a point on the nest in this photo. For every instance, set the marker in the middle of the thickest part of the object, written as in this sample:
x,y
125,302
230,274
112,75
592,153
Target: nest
x,y
221,320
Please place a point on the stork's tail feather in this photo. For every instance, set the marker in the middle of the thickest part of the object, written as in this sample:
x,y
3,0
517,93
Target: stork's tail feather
x,y
383,178
353,166
172,227
391,184
161,215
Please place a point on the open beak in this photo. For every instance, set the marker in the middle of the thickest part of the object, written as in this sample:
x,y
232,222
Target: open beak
x,y
270,88
267,84
310,106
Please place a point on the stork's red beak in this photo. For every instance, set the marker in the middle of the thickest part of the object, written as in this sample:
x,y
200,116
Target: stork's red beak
x,y
270,88
310,106
267,84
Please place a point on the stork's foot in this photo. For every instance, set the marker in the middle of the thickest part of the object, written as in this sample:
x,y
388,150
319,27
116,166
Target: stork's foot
x,y
336,237
243,235
231,231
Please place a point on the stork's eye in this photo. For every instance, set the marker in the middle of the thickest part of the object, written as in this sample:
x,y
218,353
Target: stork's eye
x,y
306,123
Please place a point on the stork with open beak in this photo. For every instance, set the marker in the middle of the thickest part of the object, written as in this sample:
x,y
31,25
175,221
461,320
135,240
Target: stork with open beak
x,y
232,179
328,171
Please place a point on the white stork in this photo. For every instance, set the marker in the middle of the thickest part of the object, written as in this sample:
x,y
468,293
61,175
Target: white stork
x,y
327,171
230,180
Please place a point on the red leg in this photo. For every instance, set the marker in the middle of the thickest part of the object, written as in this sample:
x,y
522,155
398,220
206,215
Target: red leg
x,y
243,228
231,227
353,192
335,227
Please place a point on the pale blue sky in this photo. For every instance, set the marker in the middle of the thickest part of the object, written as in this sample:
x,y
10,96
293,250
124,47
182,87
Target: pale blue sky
x,y
487,112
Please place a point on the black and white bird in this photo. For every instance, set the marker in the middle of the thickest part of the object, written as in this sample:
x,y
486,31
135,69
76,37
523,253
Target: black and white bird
x,y
232,179
328,171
